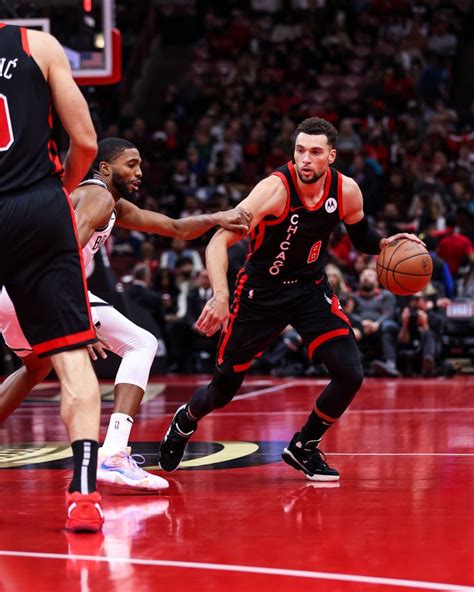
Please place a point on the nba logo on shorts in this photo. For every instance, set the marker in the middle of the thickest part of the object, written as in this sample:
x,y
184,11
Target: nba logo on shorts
x,y
250,294
330,205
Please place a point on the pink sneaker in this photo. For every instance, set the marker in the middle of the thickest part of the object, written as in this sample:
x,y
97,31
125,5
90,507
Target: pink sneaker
x,y
121,469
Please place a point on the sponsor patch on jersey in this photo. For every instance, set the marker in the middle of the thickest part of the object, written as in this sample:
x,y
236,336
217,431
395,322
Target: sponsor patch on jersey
x,y
330,205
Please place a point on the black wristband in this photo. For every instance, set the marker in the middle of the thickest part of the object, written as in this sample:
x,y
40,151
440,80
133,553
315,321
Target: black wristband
x,y
364,237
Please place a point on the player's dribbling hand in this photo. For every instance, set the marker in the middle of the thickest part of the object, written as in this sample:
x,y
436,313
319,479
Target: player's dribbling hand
x,y
237,220
401,235
214,315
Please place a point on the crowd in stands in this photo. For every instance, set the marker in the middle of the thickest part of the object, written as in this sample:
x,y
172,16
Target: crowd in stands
x,y
382,72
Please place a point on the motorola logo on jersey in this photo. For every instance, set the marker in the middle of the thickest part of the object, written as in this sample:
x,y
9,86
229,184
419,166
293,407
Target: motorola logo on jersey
x,y
330,205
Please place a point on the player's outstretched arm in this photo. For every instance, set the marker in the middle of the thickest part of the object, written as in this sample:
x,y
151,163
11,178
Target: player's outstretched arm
x,y
134,218
364,237
69,104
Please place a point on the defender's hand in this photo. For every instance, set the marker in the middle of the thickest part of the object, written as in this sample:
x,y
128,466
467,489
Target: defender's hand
x,y
100,347
237,220
396,237
214,314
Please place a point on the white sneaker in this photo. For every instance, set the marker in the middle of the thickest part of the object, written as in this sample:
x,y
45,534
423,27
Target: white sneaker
x,y
122,469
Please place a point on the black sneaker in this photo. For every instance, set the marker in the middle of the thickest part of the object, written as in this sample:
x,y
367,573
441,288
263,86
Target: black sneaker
x,y
172,447
309,459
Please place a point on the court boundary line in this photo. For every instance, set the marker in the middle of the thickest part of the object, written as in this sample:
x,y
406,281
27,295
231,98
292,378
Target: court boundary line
x,y
265,391
352,411
313,575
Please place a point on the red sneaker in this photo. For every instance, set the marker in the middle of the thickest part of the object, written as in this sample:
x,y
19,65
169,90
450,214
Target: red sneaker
x,y
84,513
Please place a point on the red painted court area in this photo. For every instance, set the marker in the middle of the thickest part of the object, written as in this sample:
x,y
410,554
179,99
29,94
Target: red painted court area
x,y
238,519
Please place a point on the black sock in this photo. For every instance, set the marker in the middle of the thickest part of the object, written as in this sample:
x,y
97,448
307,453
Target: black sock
x,y
84,454
185,421
314,428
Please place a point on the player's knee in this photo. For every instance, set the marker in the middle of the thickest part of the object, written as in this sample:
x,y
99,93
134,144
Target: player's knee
x,y
145,342
150,343
350,377
225,387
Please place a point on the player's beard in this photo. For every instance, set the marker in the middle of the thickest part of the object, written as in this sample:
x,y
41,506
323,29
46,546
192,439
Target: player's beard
x,y
310,180
122,187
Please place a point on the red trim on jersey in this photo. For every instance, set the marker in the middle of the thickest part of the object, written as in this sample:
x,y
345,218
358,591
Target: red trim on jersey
x,y
324,416
258,238
62,342
337,311
260,228
24,41
284,179
327,185
54,157
236,306
282,216
339,196
2,25
81,257
52,148
325,337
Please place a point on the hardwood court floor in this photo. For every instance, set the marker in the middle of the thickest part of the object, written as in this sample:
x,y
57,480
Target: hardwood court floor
x,y
236,518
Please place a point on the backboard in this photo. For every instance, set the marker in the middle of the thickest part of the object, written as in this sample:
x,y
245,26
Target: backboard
x,y
85,28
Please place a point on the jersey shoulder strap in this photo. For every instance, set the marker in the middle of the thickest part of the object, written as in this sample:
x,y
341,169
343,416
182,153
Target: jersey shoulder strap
x,y
97,182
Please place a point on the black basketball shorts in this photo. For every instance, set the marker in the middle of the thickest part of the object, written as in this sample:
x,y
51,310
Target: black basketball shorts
x,y
41,267
261,310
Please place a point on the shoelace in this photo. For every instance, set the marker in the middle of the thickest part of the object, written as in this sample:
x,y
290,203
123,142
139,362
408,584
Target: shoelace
x,y
137,459
319,454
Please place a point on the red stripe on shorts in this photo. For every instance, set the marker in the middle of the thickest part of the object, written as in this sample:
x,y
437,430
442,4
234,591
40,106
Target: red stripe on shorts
x,y
236,306
323,338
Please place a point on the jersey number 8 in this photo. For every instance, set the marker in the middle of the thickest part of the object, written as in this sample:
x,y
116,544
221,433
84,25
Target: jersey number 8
x,y
314,252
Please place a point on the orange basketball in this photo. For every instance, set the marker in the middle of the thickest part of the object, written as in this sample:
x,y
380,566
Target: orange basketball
x,y
404,267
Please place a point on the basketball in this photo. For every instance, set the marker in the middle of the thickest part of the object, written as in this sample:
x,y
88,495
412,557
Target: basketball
x,y
404,267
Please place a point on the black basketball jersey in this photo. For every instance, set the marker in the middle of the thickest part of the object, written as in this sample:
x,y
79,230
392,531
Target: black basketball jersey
x,y
294,245
27,153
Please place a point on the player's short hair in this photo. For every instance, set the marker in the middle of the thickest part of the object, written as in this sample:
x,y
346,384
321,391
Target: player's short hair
x,y
109,150
316,126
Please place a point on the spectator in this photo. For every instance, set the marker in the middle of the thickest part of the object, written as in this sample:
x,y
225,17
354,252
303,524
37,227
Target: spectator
x,y
421,331
185,339
375,308
336,280
455,248
179,248
141,293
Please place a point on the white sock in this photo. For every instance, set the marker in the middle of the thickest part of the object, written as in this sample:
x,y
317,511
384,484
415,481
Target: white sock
x,y
118,433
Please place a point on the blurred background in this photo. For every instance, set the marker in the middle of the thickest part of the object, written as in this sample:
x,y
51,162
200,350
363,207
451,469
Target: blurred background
x,y
211,93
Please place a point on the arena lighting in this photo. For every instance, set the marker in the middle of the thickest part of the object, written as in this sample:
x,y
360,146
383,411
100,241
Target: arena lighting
x,y
87,5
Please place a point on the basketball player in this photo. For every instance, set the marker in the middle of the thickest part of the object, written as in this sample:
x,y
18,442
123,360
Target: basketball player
x,y
283,283
100,202
38,239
